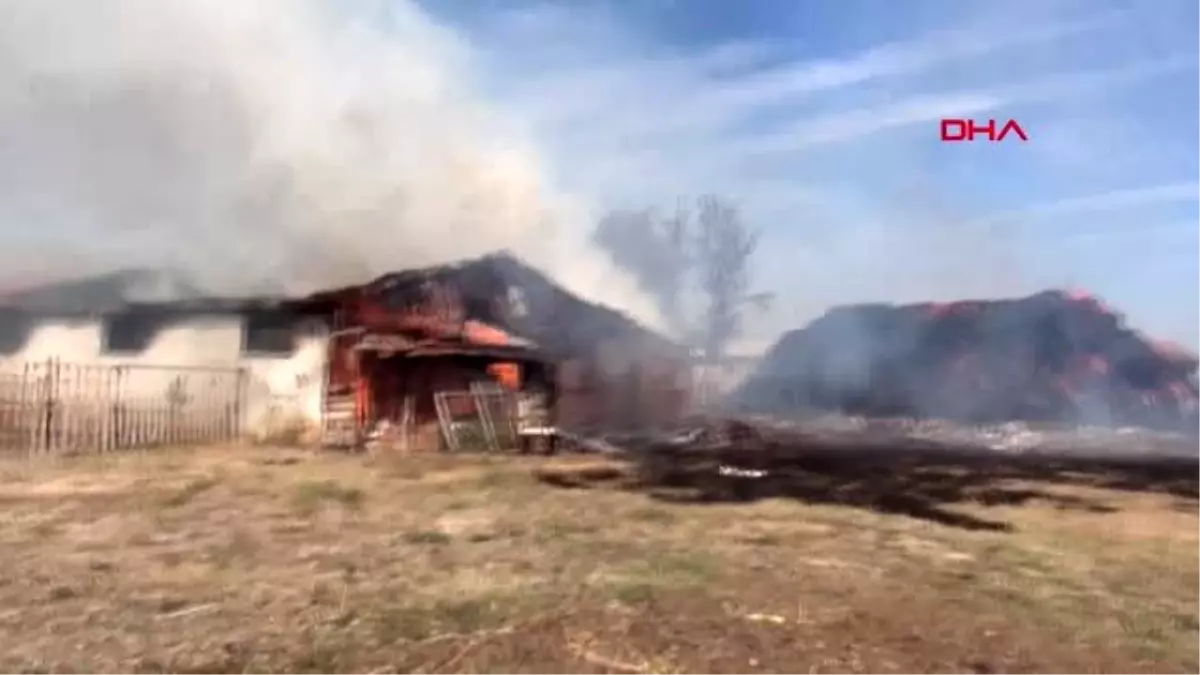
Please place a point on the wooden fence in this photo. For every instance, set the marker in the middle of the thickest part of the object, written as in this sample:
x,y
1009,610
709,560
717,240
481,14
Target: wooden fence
x,y
50,407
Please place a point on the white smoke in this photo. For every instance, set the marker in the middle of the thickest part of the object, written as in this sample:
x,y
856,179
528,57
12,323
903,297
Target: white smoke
x,y
293,143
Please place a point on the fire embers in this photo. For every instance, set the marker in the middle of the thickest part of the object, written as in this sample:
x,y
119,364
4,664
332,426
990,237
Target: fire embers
x,y
1049,357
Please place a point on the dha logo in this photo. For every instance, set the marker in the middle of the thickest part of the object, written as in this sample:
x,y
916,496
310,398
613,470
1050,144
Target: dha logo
x,y
958,131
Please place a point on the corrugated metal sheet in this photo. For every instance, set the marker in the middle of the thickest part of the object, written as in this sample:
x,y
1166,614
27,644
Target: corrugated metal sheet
x,y
384,342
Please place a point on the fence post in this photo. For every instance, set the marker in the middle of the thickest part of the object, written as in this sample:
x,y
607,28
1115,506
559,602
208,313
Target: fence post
x,y
28,421
239,404
174,396
118,408
47,408
104,409
33,408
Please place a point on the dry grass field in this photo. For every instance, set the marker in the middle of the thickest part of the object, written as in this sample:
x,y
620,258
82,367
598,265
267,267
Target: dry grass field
x,y
253,559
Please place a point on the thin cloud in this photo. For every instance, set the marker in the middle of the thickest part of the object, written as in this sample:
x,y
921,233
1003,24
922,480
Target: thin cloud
x,y
1121,199
698,101
1107,201
850,125
1131,236
854,124
899,58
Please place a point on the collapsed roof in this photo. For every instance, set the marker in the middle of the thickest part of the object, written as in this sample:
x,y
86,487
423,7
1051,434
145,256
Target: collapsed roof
x,y
502,291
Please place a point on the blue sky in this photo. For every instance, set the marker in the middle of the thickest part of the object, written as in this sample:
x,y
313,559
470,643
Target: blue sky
x,y
820,118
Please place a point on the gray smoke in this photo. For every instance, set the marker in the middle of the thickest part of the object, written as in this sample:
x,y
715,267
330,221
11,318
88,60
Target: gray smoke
x,y
287,143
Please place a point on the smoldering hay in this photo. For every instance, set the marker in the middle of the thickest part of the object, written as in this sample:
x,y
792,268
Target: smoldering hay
x,y
1054,356
290,144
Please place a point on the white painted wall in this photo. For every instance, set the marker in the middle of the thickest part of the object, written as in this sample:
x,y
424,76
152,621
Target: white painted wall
x,y
68,339
285,390
280,389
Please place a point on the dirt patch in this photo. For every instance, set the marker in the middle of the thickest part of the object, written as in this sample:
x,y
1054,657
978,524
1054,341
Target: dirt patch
x,y
266,559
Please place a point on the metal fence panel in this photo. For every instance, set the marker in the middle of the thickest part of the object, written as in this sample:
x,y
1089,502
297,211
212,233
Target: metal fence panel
x,y
482,418
51,407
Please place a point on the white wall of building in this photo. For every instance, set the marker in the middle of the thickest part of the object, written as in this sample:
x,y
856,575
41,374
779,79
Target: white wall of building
x,y
61,338
280,389
284,390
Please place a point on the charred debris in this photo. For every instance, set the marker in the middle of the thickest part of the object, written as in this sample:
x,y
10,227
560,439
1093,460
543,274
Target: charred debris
x,y
908,407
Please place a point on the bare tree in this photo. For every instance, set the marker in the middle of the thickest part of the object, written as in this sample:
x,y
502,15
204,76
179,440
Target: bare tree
x,y
723,246
708,253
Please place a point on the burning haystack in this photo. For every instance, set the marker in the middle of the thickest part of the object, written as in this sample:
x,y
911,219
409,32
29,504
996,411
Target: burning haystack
x,y
1052,356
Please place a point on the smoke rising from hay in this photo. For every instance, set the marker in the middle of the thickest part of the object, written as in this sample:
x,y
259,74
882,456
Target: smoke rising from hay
x,y
268,145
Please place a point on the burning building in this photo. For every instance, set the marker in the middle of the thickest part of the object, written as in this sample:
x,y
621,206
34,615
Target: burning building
x,y
1053,356
396,360
400,346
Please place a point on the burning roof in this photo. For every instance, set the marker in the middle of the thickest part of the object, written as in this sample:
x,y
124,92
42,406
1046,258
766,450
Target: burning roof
x,y
1050,356
498,294
500,302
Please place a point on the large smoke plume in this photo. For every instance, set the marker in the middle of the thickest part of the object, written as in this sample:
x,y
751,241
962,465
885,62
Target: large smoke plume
x,y
274,144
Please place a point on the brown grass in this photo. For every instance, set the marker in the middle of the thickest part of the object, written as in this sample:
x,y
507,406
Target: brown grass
x,y
265,559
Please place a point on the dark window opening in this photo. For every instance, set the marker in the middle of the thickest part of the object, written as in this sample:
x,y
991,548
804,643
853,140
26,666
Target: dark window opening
x,y
15,330
268,334
130,333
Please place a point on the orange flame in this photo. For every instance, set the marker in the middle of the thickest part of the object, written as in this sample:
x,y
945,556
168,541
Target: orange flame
x,y
480,333
507,374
